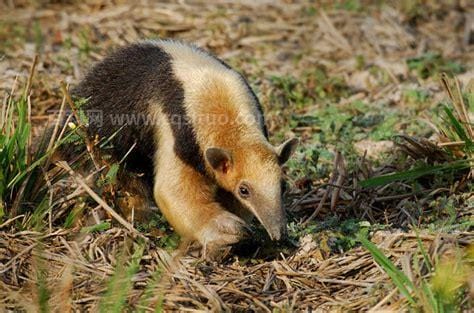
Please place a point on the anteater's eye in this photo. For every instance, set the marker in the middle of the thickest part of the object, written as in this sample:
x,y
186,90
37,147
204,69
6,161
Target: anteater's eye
x,y
244,191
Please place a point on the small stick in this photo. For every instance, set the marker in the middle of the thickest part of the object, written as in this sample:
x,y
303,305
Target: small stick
x,y
341,172
377,307
332,180
305,196
98,199
58,122
28,101
9,221
30,77
451,144
254,299
318,209
7,265
462,109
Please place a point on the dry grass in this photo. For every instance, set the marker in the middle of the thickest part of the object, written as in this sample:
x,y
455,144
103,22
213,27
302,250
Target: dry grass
x,y
262,39
302,281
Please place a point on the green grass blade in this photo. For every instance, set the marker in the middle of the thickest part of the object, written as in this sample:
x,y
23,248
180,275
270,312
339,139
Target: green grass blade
x,y
430,297
21,174
145,299
96,228
43,294
159,305
74,214
400,280
457,126
423,251
108,139
415,173
120,284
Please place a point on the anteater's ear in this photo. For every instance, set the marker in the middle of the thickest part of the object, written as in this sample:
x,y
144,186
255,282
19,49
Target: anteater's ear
x,y
219,159
286,149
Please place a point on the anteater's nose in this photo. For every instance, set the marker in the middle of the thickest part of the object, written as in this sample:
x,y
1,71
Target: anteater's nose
x,y
278,231
274,222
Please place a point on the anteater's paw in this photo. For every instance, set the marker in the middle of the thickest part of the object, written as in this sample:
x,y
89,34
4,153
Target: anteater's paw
x,y
221,231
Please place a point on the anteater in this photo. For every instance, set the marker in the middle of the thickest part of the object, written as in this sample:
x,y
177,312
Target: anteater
x,y
198,136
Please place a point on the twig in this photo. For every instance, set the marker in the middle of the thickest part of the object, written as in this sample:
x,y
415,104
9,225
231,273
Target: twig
x,y
30,77
342,173
332,180
12,260
305,196
98,199
451,144
254,299
376,308
326,280
9,221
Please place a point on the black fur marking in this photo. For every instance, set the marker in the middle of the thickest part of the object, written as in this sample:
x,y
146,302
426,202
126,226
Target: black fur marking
x,y
228,201
125,84
259,108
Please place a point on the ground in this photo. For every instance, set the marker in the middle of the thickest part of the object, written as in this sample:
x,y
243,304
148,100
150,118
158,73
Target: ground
x,y
359,82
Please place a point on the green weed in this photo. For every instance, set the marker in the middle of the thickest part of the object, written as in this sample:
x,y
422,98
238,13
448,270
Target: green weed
x,y
11,35
350,5
313,86
85,47
416,97
431,64
337,236
96,228
120,284
24,182
403,283
441,290
158,225
19,178
454,127
418,172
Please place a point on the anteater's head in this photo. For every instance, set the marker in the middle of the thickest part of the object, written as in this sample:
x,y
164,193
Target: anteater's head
x,y
252,173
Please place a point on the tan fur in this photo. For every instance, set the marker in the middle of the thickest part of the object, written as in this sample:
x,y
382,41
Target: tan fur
x,y
216,95
185,197
211,91
224,116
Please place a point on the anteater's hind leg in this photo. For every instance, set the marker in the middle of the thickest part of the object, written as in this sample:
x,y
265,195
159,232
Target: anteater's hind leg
x,y
134,197
187,201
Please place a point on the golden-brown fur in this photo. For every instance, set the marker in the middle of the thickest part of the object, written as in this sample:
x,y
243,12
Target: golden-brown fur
x,y
206,151
224,116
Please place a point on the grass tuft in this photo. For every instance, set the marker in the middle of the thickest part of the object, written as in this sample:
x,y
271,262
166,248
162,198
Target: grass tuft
x,y
436,288
120,284
456,138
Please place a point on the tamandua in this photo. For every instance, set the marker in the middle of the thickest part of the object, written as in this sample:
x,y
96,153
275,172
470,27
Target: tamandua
x,y
198,136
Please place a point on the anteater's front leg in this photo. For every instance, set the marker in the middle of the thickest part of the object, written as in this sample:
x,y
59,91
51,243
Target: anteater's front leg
x,y
187,201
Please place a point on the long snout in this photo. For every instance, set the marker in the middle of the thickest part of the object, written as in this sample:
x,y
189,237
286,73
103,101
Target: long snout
x,y
274,222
